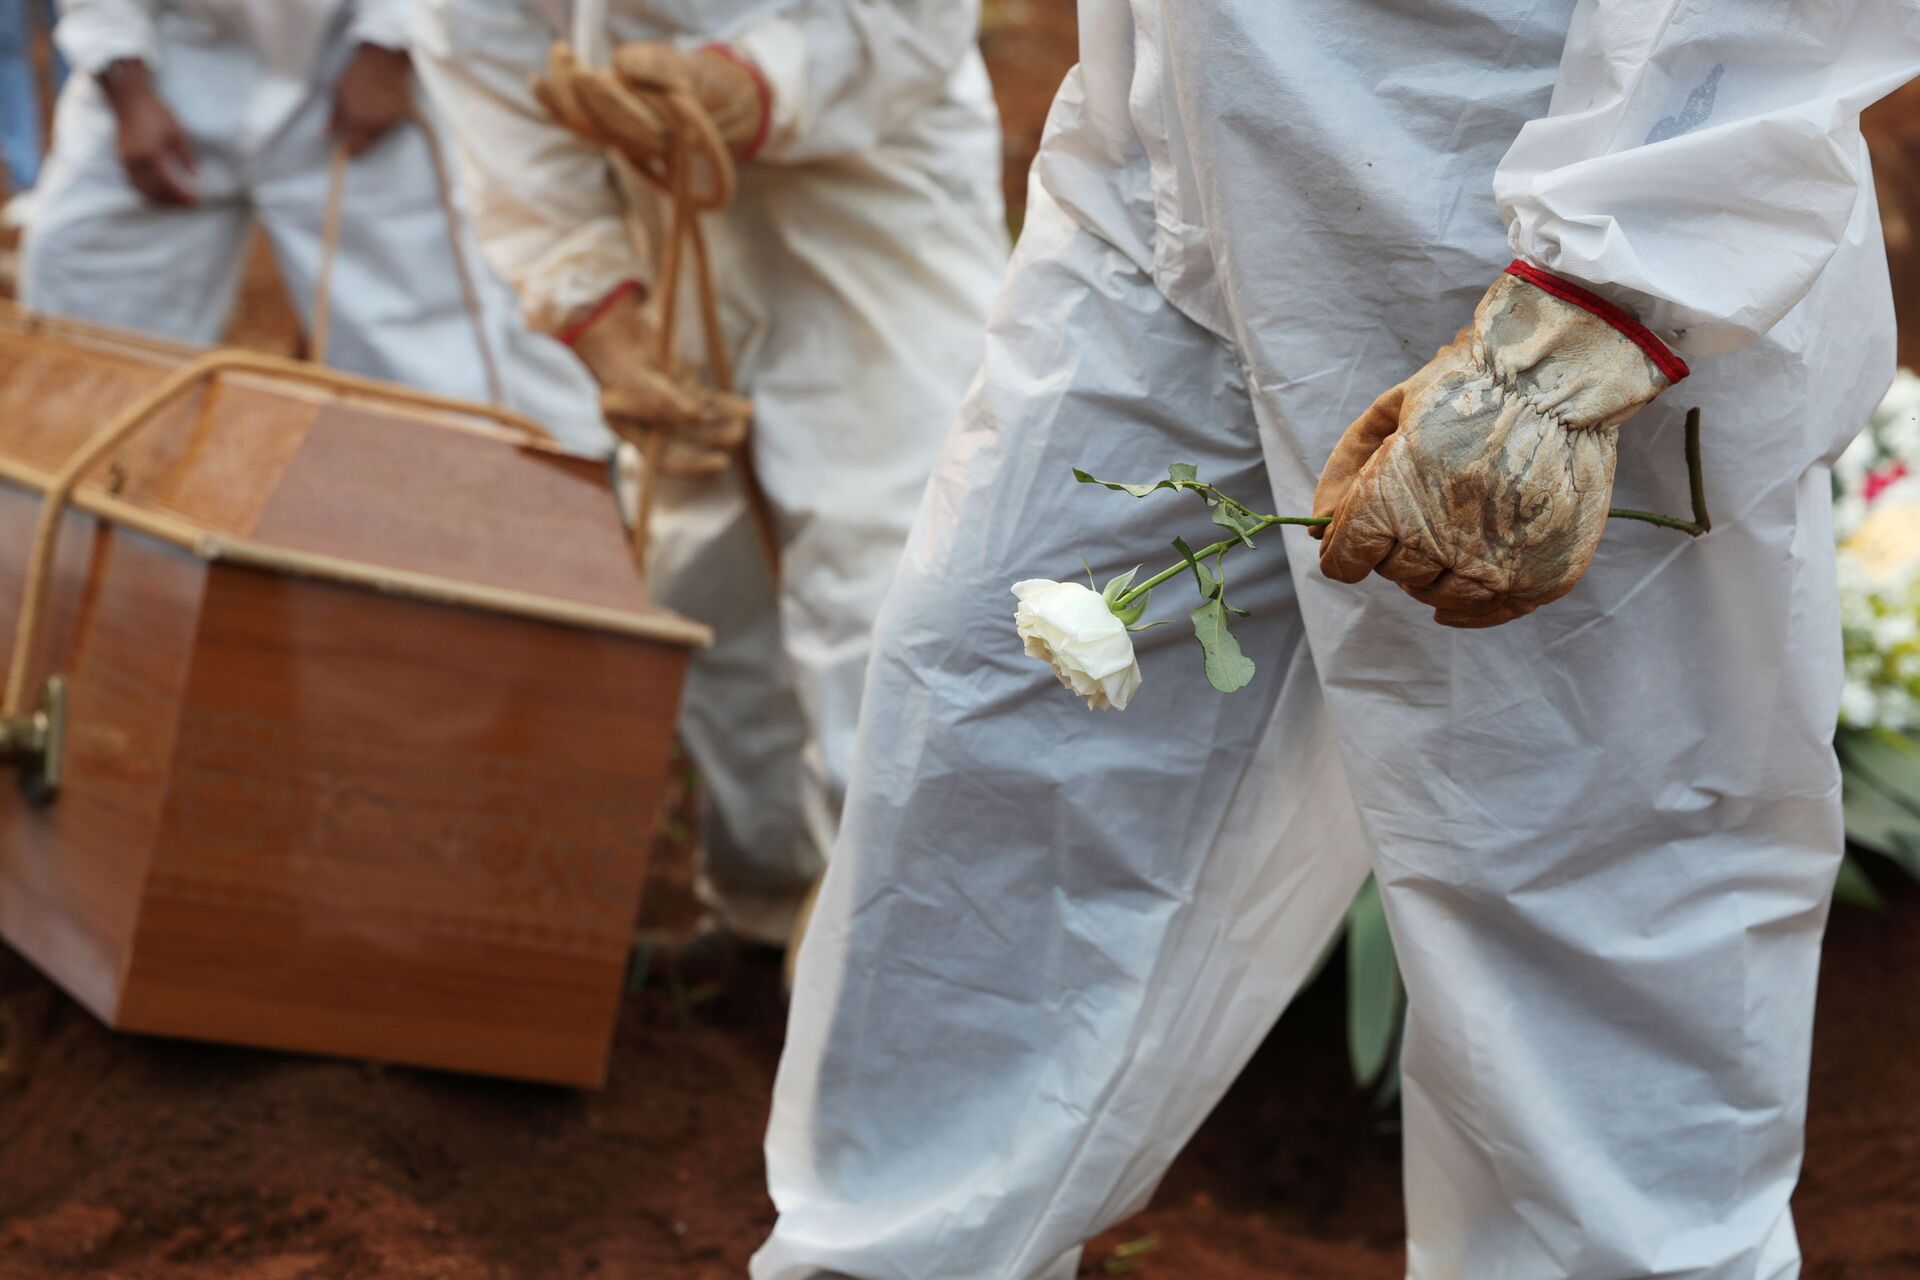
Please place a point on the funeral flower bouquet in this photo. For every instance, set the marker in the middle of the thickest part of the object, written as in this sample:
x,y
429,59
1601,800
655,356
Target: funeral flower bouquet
x,y
1876,517
1876,486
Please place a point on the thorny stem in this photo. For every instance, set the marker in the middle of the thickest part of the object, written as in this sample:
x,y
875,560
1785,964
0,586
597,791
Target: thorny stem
x,y
1696,489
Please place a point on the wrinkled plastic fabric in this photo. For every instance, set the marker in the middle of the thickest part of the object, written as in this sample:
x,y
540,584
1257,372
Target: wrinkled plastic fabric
x,y
251,83
287,37
1605,833
855,269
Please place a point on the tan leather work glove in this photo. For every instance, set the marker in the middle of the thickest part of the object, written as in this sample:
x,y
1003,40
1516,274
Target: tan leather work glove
x,y
1481,484
731,89
703,428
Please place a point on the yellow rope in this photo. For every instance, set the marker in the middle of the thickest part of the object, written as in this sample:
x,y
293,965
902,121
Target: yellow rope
x,y
142,413
655,126
330,252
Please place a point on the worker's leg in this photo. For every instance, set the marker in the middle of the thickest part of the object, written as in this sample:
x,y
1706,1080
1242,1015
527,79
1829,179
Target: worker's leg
x,y
1606,836
97,250
871,285
738,715
397,306
1050,937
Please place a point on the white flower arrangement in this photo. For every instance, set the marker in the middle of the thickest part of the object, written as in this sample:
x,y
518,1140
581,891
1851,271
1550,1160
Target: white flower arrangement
x,y
1877,524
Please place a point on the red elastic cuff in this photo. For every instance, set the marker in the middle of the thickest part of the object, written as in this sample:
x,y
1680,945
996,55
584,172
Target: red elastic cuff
x,y
1642,337
762,86
578,329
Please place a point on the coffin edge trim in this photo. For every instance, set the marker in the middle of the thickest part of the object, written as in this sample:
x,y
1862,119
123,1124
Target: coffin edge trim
x,y
432,588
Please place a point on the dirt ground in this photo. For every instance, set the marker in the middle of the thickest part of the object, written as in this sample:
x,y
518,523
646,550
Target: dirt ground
x,y
158,1160
155,1160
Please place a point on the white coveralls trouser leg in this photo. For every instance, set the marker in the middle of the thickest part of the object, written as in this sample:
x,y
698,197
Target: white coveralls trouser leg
x,y
99,251
1092,938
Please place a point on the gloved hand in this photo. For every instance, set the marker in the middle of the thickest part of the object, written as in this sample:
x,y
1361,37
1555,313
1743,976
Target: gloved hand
x,y
702,428
632,106
733,92
1481,484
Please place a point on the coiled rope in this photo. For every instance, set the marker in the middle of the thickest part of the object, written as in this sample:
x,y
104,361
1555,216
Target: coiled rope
x,y
646,114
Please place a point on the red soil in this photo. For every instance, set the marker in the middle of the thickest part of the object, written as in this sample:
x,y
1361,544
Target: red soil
x,y
124,1157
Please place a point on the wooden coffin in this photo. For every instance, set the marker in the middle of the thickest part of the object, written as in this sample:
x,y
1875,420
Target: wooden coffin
x,y
367,716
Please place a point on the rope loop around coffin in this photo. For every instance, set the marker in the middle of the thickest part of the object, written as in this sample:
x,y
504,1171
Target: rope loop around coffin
x,y
142,413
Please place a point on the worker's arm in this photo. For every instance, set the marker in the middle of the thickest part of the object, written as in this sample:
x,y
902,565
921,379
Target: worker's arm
x,y
117,43
381,23
1699,163
545,205
375,91
94,34
847,74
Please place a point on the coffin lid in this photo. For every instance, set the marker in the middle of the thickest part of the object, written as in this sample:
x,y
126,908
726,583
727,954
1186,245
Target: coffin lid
x,y
350,485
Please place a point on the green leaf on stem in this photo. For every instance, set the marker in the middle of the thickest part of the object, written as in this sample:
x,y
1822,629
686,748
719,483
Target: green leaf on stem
x,y
1233,517
1227,668
1188,558
1181,475
1376,1001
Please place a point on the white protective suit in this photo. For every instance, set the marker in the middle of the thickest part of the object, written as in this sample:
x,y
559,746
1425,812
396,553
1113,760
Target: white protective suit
x,y
855,268
1606,833
251,82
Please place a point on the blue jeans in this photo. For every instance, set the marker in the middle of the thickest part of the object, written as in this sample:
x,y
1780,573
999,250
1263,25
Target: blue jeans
x,y
20,90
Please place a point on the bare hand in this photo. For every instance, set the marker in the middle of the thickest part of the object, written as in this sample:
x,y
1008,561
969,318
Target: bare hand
x,y
375,93
153,147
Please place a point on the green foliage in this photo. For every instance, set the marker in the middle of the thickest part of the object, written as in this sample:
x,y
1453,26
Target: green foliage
x,y
1880,794
1376,1002
1853,889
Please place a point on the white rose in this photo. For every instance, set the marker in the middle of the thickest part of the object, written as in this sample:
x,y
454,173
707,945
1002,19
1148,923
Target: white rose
x,y
1070,627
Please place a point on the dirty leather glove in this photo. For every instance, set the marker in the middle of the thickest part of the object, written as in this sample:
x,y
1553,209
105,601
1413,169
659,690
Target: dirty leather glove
x,y
1481,484
702,428
634,106
734,93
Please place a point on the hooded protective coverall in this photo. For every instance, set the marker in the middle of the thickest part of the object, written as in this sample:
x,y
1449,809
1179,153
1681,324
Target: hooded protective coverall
x,y
855,268
1606,833
251,83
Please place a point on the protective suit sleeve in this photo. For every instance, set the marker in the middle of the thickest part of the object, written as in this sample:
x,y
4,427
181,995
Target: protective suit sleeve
x,y
847,74
93,33
380,22
1699,163
546,204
